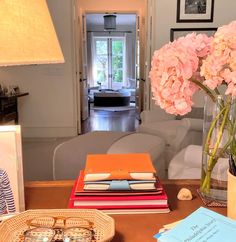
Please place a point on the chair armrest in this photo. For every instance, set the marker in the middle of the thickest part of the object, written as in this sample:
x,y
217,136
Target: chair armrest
x,y
189,132
193,123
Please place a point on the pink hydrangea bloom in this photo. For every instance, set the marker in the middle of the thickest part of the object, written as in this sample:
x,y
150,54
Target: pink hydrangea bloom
x,y
220,65
200,42
172,68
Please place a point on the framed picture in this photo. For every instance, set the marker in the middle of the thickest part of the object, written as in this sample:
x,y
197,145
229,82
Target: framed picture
x,y
175,33
11,170
195,10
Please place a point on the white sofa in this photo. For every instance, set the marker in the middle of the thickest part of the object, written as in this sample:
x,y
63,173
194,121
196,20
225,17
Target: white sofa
x,y
177,133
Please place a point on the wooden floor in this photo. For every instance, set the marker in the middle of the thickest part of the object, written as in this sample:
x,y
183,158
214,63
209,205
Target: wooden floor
x,y
110,121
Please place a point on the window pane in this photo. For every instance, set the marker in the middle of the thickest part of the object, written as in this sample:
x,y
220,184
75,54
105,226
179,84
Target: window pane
x,y
101,76
102,62
117,47
117,62
118,75
101,47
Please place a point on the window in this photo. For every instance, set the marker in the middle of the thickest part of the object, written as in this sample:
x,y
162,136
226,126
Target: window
x,y
109,62
101,61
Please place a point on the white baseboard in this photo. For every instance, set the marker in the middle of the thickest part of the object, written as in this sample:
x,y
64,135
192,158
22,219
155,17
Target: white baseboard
x,y
47,132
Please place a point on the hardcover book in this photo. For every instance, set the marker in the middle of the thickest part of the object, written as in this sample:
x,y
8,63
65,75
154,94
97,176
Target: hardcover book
x,y
119,167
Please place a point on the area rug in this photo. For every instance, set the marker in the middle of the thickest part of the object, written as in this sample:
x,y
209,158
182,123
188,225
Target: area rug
x,y
113,109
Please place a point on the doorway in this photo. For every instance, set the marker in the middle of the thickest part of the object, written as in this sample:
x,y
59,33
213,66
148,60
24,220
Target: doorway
x,y
104,70
112,62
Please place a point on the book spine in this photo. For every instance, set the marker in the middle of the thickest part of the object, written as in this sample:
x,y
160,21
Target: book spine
x,y
119,198
71,205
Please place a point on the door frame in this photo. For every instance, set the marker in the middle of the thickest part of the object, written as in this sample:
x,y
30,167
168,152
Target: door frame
x,y
142,58
76,65
149,26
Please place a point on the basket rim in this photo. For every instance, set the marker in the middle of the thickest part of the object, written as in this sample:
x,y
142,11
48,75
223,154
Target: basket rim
x,y
111,221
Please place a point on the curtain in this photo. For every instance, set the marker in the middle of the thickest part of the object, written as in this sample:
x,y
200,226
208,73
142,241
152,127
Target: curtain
x,y
130,58
90,59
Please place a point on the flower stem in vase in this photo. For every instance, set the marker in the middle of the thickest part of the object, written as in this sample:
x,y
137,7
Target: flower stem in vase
x,y
205,186
206,179
214,152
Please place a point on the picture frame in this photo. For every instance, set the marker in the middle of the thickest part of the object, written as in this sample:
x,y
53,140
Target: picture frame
x,y
195,11
11,170
175,33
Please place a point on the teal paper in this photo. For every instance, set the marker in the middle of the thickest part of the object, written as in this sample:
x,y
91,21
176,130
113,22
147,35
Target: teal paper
x,y
203,225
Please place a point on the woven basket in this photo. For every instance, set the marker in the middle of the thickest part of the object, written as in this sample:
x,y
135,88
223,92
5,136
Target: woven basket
x,y
12,228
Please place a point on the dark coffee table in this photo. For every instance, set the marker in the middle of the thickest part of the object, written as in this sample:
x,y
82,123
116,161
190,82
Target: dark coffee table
x,y
111,99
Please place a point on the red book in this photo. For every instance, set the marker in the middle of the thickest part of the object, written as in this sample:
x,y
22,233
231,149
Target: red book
x,y
121,210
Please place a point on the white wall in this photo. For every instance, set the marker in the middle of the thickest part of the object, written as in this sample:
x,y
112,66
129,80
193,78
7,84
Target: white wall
x,y
165,18
164,13
49,110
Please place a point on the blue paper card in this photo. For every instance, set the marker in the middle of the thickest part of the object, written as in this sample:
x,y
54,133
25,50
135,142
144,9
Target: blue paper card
x,y
203,225
119,184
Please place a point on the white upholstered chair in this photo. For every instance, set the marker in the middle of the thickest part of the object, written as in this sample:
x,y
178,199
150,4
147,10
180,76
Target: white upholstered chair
x,y
177,133
186,164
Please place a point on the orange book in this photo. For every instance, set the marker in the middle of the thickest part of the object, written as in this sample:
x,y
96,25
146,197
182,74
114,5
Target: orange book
x,y
119,167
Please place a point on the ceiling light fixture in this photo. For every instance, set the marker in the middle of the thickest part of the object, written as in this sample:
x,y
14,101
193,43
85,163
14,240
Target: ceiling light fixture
x,y
109,22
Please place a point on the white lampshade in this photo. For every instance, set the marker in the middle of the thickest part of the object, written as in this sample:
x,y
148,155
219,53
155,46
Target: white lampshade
x,y
27,34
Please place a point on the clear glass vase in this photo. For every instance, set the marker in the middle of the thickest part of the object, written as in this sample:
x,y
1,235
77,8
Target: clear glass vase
x,y
218,144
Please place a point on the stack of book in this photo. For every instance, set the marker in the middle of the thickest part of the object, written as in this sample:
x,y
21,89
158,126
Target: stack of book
x,y
119,183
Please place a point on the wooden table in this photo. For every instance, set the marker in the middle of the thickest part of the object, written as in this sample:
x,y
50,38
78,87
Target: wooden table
x,y
129,228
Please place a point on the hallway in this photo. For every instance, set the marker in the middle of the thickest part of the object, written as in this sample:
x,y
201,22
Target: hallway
x,y
110,121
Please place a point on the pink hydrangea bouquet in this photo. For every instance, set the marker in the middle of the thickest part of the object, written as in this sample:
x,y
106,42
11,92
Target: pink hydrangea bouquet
x,y
182,67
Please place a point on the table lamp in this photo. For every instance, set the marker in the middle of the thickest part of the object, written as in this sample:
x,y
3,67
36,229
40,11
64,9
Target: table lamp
x,y
27,34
